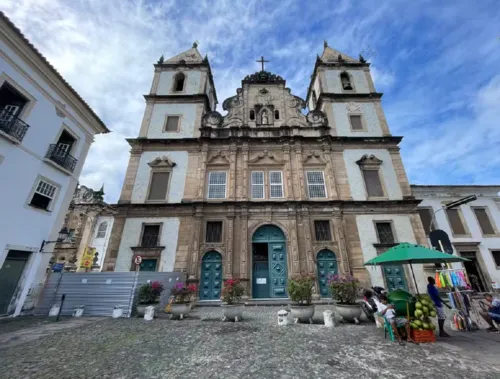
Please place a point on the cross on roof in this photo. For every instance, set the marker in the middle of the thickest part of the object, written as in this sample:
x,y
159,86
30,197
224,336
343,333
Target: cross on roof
x,y
261,61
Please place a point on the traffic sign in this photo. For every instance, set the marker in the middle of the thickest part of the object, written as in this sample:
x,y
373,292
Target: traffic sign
x,y
57,267
138,260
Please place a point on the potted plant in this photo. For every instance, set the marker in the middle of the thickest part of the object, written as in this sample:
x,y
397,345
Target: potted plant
x,y
345,292
231,295
149,294
300,289
182,294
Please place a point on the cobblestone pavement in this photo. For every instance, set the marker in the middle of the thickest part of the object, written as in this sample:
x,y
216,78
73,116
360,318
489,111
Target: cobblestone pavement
x,y
202,346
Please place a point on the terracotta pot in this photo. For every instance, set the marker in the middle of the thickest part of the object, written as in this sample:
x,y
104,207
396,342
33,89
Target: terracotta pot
x,y
232,312
180,310
141,308
303,313
349,312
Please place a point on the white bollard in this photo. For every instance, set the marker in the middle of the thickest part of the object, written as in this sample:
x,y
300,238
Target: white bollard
x,y
329,318
118,311
282,318
78,311
54,310
149,313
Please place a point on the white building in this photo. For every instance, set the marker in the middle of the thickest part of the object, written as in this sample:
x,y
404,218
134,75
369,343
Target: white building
x,y
473,228
46,130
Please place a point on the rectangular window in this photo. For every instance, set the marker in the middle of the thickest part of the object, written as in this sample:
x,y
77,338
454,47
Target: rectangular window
x,y
496,257
384,232
159,185
322,230
275,184
44,195
456,222
150,235
316,184
356,123
484,221
257,184
214,231
373,183
172,124
426,216
217,185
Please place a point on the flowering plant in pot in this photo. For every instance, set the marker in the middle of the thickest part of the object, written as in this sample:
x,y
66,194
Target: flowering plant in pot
x,y
345,290
300,289
148,294
231,295
182,294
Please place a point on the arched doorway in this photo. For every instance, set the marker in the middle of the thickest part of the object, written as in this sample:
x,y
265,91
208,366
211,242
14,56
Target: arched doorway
x,y
269,270
327,266
211,276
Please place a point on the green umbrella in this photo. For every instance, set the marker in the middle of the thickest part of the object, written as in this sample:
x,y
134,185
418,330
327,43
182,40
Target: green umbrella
x,y
411,253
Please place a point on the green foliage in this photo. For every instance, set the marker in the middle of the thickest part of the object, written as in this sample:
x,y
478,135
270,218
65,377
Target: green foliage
x,y
345,289
300,289
150,292
233,291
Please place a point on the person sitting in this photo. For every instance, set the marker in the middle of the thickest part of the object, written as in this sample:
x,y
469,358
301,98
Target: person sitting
x,y
387,310
491,311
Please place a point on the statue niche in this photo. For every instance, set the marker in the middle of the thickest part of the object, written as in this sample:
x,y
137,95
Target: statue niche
x,y
264,115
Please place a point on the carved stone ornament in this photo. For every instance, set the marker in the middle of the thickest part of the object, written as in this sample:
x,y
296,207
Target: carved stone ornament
x,y
265,158
218,158
85,195
317,118
313,158
163,161
353,107
212,120
295,117
369,161
234,106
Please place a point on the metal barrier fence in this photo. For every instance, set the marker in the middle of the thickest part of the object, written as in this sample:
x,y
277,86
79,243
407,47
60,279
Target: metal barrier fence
x,y
101,292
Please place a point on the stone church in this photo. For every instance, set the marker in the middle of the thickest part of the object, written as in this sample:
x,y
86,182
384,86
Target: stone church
x,y
267,190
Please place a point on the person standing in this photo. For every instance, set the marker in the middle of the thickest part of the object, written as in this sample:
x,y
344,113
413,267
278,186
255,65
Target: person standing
x,y
438,303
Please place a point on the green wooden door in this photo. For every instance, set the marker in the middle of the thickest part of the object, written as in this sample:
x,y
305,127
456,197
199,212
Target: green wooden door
x,y
327,266
148,265
277,265
394,277
10,273
260,283
211,276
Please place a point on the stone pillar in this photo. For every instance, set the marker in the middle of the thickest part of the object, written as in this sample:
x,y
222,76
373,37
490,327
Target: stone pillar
x,y
338,227
306,224
232,171
228,265
400,171
300,184
129,181
330,172
381,118
201,177
244,154
245,254
195,247
293,247
114,244
287,180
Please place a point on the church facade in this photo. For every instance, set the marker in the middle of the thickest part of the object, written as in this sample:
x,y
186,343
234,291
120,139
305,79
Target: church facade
x,y
267,190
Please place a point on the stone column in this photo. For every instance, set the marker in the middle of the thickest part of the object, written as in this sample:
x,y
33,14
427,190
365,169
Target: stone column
x,y
129,181
195,246
200,178
338,227
381,118
293,243
400,171
232,171
245,257
300,184
330,172
244,154
287,180
306,224
228,265
114,243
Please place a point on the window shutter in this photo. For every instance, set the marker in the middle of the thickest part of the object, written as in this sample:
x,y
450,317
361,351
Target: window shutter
x,y
276,184
257,184
484,221
316,184
159,185
217,185
456,222
356,123
172,124
373,184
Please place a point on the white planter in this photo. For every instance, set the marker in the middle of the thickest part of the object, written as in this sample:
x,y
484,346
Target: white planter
x,y
303,313
180,310
232,312
350,313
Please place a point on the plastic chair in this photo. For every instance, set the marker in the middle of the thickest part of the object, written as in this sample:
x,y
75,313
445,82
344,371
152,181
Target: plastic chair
x,y
388,329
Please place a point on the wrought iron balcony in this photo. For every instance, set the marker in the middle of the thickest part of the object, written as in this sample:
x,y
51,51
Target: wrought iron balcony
x,y
59,155
13,126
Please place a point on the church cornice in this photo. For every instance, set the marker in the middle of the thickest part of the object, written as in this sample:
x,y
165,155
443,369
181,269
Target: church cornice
x,y
179,99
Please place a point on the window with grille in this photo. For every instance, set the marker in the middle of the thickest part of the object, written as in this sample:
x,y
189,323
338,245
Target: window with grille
x,y
159,185
373,183
101,231
217,185
356,123
275,184
257,185
214,231
180,78
496,257
322,230
426,216
172,124
484,221
384,232
316,184
150,236
455,221
44,195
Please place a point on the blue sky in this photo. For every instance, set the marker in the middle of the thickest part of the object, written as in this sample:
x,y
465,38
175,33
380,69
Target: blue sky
x,y
437,62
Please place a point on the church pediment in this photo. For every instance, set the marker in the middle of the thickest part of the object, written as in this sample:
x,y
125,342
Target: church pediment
x,y
219,158
313,158
265,158
162,162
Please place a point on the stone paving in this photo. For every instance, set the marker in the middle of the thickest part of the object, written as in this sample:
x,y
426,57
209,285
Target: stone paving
x,y
202,346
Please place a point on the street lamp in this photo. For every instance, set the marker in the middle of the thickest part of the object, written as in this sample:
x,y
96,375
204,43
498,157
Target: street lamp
x,y
63,234
453,204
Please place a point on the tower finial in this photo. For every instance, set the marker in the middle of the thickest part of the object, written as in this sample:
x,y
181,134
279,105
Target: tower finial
x,y
325,43
195,44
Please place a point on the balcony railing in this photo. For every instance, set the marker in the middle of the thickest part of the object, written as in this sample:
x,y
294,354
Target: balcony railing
x,y
61,157
13,126
149,241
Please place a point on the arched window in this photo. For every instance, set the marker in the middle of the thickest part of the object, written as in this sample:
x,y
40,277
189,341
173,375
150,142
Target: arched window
x,y
346,81
252,114
180,78
276,114
101,231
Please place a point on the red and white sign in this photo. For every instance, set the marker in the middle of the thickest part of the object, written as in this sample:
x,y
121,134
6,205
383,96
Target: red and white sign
x,y
138,260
